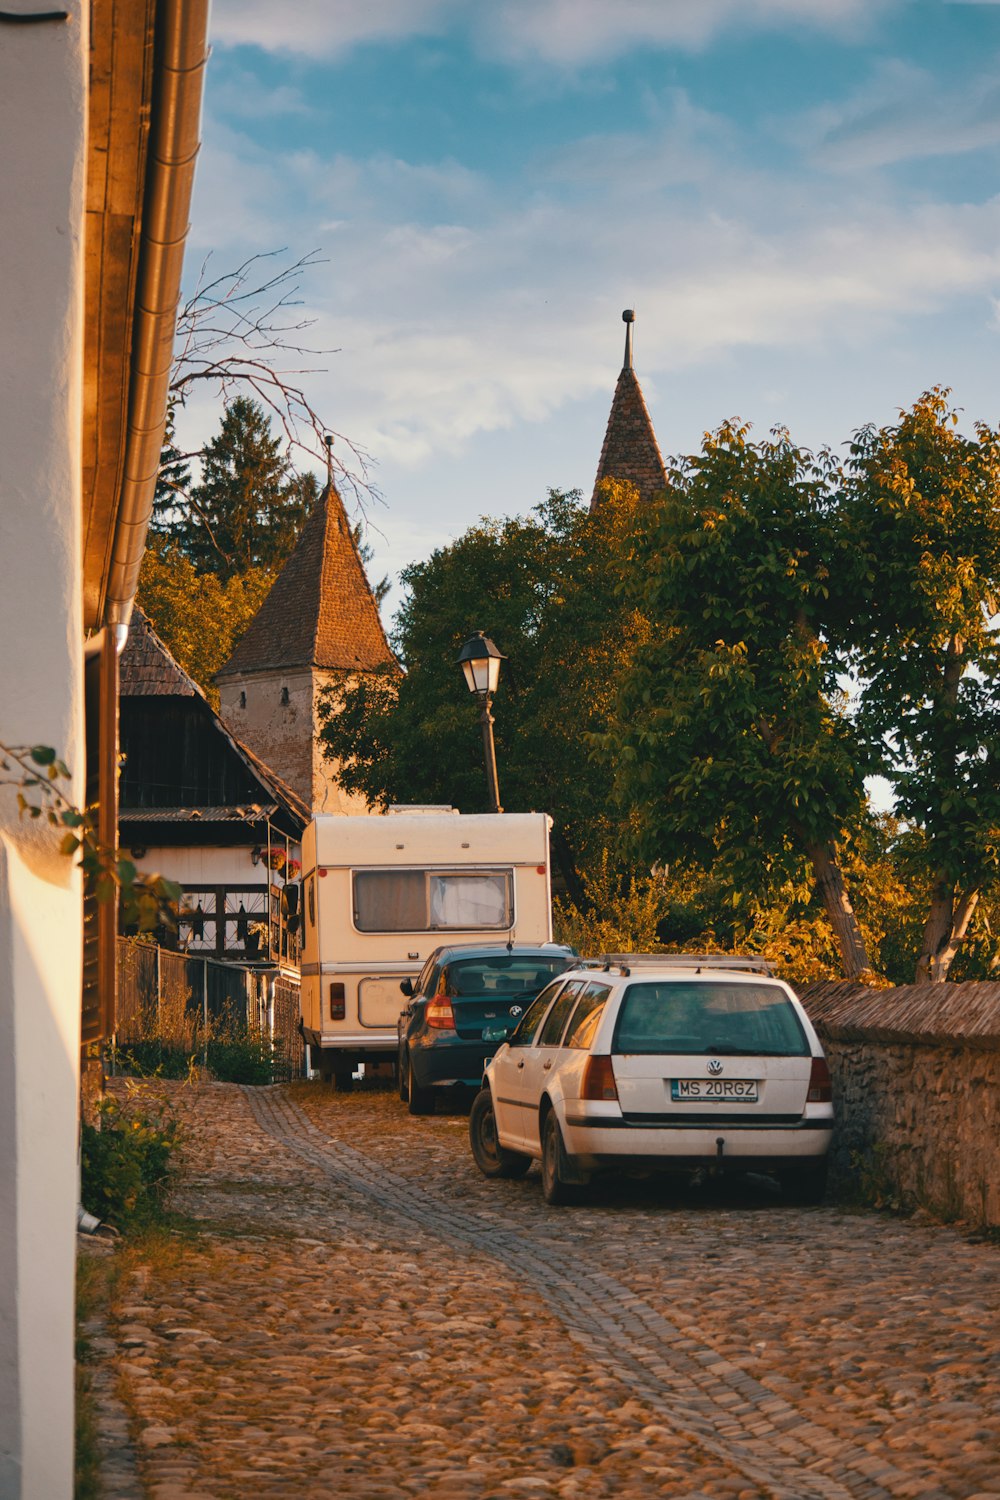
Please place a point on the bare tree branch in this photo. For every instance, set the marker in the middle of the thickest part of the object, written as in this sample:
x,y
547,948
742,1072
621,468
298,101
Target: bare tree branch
x,y
238,331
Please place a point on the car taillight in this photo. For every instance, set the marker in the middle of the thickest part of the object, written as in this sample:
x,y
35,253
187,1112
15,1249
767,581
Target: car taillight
x,y
338,1008
439,1014
820,1082
599,1079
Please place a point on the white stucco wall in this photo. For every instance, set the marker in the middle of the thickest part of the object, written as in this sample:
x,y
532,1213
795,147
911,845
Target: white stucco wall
x,y
43,72
207,866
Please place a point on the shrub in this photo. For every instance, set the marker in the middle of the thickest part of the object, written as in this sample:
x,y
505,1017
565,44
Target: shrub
x,y
243,1057
126,1161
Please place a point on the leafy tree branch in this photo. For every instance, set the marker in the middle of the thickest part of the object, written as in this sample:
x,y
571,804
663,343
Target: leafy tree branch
x,y
36,771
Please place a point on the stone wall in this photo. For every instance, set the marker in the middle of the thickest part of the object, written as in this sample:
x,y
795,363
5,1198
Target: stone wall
x,y
916,1074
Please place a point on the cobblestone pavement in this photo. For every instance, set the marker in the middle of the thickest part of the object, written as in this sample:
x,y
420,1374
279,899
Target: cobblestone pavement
x,y
364,1315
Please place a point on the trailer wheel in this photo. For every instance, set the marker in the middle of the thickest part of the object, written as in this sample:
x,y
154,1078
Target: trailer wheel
x,y
343,1077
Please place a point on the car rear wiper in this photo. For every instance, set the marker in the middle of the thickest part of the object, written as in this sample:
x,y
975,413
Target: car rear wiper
x,y
729,1049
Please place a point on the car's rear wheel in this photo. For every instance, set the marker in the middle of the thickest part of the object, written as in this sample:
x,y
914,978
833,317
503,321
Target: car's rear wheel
x,y
492,1159
805,1186
555,1168
420,1101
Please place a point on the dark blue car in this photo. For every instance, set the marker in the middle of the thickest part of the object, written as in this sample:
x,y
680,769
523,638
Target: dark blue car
x,y
461,992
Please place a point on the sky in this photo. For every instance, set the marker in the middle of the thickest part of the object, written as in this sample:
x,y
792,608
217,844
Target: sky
x,y
799,198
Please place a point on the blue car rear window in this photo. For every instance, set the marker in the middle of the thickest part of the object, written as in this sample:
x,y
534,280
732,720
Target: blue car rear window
x,y
511,974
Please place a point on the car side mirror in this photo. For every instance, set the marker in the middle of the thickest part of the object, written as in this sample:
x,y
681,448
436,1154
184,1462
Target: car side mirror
x,y
406,985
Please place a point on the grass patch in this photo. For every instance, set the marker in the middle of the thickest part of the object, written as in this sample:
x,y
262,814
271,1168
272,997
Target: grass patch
x,y
230,1053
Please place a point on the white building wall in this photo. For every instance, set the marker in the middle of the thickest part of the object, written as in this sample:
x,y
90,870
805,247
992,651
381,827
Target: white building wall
x,y
43,81
208,866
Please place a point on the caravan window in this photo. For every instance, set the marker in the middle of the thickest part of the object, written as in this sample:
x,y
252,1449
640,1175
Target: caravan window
x,y
432,900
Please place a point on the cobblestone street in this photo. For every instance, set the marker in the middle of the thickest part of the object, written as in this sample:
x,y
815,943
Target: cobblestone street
x,y
364,1315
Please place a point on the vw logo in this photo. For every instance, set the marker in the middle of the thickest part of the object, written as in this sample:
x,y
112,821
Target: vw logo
x,y
515,1010
715,1066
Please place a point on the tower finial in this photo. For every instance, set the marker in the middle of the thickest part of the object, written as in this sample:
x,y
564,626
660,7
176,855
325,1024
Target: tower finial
x,y
628,318
328,440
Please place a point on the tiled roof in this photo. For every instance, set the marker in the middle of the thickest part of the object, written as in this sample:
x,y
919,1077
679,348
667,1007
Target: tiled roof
x,y
255,812
147,669
321,611
630,449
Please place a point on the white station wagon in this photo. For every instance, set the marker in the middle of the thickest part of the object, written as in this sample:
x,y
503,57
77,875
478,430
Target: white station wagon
x,y
659,1063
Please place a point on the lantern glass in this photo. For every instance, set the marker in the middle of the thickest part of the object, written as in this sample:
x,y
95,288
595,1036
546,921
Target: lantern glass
x,y
480,662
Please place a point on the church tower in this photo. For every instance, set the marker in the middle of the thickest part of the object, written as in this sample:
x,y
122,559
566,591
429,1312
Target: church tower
x,y
319,623
630,450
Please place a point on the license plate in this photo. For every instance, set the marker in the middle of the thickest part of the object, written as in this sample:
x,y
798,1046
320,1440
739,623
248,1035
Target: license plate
x,y
709,1089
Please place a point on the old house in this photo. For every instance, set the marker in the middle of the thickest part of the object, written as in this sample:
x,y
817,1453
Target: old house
x,y
319,624
630,450
197,806
99,116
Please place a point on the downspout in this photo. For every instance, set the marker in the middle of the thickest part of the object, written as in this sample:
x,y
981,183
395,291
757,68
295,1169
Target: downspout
x,y
181,54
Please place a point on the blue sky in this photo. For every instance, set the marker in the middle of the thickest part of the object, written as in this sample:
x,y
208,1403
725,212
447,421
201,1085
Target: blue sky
x,y
800,198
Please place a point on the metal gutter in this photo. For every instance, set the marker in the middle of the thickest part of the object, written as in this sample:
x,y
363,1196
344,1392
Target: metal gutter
x,y
181,54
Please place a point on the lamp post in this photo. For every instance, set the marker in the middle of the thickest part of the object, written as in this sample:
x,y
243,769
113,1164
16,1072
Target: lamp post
x,y
480,661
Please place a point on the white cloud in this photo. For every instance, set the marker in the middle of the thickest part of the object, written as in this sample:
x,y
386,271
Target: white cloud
x,y
328,28
462,308
568,33
241,95
902,114
571,33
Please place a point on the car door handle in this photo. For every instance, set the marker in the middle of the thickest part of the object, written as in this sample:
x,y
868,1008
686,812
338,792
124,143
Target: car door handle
x,y
546,1066
521,1063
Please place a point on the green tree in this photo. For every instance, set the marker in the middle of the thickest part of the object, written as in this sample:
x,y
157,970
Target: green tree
x,y
198,617
732,747
248,509
544,588
921,515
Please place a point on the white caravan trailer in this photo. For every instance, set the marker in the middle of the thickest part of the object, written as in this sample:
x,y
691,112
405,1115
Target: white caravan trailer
x,y
381,893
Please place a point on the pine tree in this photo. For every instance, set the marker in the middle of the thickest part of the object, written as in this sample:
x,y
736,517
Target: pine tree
x,y
250,506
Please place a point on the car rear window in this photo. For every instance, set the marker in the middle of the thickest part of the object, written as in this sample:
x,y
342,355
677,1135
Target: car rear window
x,y
512,974
708,1016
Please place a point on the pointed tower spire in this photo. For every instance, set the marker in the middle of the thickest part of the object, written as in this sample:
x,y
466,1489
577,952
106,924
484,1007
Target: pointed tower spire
x,y
318,626
321,611
630,450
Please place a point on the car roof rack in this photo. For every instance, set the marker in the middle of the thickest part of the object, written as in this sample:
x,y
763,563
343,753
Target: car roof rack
x,y
747,963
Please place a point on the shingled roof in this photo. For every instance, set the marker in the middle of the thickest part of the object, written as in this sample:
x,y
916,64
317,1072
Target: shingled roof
x,y
630,450
147,669
321,611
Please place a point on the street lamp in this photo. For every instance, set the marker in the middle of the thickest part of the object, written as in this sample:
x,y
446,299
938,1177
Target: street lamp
x,y
480,661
